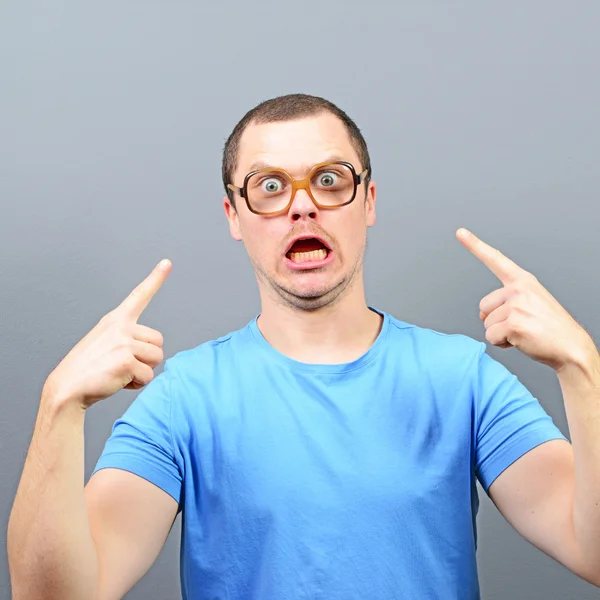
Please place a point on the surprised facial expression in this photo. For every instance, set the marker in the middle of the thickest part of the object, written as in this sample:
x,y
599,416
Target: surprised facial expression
x,y
305,255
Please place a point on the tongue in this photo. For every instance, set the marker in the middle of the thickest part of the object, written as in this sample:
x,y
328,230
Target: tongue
x,y
306,245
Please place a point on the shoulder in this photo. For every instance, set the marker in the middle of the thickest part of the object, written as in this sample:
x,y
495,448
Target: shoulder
x,y
448,351
212,354
434,340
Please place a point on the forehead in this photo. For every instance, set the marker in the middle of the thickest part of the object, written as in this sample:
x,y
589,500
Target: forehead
x,y
295,145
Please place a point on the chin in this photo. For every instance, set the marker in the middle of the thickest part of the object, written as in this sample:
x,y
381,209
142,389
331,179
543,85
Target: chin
x,y
310,285
311,297
310,304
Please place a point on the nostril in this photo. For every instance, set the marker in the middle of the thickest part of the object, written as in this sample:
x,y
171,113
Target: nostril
x,y
296,216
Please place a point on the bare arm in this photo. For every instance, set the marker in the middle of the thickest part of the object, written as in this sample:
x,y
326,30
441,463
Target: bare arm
x,y
535,495
51,553
551,495
130,519
64,542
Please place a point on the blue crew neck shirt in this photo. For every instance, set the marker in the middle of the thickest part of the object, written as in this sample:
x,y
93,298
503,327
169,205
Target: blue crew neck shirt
x,y
333,482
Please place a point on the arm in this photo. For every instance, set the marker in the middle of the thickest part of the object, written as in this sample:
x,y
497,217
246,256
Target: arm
x,y
63,543
130,519
51,553
69,543
551,495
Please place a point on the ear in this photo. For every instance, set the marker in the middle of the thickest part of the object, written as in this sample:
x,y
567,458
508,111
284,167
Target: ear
x,y
370,204
233,218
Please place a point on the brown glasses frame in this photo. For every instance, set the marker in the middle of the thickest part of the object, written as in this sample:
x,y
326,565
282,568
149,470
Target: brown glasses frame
x,y
298,184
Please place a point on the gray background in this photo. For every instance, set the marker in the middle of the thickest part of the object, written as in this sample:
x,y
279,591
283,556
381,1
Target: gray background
x,y
113,116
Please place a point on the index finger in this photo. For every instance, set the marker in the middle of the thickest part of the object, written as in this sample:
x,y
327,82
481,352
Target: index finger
x,y
500,265
135,304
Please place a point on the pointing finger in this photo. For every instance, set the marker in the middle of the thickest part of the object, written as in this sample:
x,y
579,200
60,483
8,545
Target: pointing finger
x,y
501,266
135,304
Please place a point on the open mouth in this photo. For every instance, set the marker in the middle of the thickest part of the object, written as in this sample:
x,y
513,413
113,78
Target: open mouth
x,y
308,250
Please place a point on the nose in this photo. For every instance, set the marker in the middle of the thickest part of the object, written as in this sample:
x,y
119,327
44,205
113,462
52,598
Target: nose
x,y
303,208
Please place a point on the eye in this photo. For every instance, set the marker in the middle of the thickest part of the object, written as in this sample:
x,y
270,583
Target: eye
x,y
271,185
327,179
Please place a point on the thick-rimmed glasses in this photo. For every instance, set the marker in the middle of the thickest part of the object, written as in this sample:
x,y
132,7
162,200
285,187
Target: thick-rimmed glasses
x,y
271,191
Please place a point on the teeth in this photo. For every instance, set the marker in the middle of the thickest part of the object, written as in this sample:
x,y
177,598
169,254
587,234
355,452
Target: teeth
x,y
298,257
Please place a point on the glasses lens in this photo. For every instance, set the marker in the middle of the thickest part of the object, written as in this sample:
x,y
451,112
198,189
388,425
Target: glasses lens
x,y
270,191
332,185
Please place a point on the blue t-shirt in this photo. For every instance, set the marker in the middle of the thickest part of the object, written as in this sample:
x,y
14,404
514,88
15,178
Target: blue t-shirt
x,y
352,481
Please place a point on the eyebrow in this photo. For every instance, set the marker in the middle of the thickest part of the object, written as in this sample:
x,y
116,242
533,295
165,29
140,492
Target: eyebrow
x,y
263,165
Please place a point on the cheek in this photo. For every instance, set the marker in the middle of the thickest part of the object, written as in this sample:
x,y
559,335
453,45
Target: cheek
x,y
261,242
351,235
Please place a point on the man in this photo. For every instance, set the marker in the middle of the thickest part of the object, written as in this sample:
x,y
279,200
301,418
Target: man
x,y
327,449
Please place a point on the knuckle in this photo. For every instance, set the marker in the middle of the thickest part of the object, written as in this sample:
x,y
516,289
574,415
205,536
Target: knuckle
x,y
128,361
152,361
514,323
128,348
124,344
136,292
526,281
160,355
518,287
108,318
147,374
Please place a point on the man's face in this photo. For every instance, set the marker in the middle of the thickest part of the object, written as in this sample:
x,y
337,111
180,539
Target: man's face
x,y
301,280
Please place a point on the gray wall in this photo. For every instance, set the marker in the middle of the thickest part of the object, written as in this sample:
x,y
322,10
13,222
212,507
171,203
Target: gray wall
x,y
113,116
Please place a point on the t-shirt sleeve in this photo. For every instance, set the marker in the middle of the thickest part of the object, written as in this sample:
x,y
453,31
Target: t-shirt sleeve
x,y
141,440
509,420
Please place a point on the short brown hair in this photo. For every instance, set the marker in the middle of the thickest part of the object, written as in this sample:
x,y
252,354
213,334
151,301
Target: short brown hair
x,y
288,108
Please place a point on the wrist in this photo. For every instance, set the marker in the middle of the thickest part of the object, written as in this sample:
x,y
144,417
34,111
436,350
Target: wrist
x,y
584,365
57,398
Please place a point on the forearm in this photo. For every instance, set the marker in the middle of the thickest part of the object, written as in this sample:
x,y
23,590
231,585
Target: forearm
x,y
580,384
50,547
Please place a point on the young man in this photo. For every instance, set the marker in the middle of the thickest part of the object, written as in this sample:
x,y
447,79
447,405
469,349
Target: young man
x,y
327,449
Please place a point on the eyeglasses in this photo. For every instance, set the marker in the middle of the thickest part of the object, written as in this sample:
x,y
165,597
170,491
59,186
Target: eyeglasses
x,y
271,191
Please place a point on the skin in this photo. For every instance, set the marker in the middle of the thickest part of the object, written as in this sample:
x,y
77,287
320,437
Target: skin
x,y
550,495
305,313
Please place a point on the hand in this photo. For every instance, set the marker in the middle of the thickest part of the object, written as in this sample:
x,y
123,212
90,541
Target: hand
x,y
117,353
523,313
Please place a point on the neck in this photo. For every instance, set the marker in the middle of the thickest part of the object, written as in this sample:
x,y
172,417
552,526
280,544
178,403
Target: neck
x,y
337,333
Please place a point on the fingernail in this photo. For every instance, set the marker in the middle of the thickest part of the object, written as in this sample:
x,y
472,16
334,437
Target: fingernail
x,y
163,264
